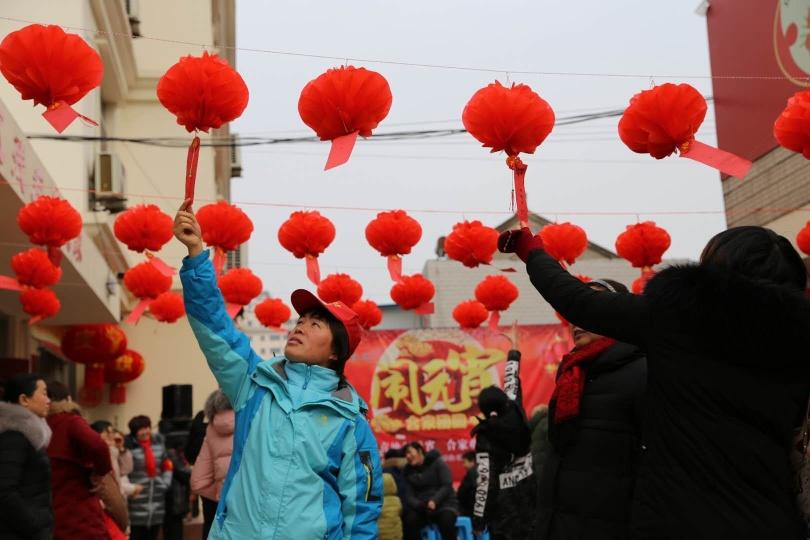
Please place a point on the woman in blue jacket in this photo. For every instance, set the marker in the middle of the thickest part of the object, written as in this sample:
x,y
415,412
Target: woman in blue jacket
x,y
305,461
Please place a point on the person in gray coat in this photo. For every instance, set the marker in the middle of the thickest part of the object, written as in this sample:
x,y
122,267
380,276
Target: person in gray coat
x,y
153,471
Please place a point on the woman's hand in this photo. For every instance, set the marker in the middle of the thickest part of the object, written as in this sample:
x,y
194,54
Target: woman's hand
x,y
187,229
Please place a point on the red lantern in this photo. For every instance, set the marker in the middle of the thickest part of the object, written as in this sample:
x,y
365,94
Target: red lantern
x,y
792,128
640,283
168,307
239,287
272,313
51,67
471,243
225,227
564,241
340,288
368,313
414,292
307,235
144,228
39,304
51,222
343,103
803,239
203,93
470,314
513,119
146,283
35,269
393,234
643,244
665,118
121,370
93,345
496,293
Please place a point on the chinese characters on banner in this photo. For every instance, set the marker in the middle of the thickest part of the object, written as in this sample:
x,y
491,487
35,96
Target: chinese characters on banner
x,y
423,385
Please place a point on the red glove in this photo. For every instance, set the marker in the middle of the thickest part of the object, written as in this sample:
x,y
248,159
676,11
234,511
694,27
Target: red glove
x,y
520,242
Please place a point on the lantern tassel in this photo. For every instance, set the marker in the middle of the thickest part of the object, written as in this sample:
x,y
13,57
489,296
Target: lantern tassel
x,y
425,309
233,309
135,314
395,268
60,115
10,284
723,161
191,168
219,260
519,169
55,255
160,264
118,393
94,375
494,320
313,269
341,150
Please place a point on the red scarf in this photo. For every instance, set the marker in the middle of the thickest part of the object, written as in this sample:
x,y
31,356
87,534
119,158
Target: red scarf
x,y
149,458
571,381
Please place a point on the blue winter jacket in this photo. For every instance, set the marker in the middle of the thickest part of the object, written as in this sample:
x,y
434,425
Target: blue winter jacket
x,y
305,464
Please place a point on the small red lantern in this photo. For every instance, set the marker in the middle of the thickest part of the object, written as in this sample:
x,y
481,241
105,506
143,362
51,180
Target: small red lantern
x,y
564,241
393,234
272,313
35,269
803,239
343,103
51,222
496,293
239,287
340,288
168,307
121,370
665,118
513,119
39,304
307,235
414,292
792,128
225,227
368,313
93,345
145,228
203,93
470,314
643,244
471,243
146,283
51,67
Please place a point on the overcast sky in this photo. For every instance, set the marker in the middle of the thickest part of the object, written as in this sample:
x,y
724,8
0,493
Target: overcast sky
x,y
582,169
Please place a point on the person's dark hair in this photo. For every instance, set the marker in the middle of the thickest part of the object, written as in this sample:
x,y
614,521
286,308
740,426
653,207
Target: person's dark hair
x,y
100,426
756,253
469,456
617,286
340,338
139,422
24,383
395,453
216,402
58,391
415,445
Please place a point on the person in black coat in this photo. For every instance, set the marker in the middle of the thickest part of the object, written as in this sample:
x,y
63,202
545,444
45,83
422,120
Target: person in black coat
x,y
466,489
430,498
728,353
594,426
25,472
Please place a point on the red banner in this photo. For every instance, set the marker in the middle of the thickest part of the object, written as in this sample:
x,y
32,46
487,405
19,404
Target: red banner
x,y
423,385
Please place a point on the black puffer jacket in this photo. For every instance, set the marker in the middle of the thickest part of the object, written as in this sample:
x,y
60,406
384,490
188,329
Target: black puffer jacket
x,y
430,481
728,382
586,484
25,475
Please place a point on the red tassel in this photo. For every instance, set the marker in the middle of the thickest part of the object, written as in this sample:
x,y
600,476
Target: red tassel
x,y
494,320
94,375
341,150
191,168
425,309
10,284
136,313
723,161
60,115
160,264
313,270
118,393
395,268
219,260
232,309
519,169
55,255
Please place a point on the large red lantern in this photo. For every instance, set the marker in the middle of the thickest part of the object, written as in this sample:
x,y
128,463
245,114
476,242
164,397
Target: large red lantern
x,y
272,313
792,128
343,103
225,227
39,304
471,243
307,235
803,239
393,234
643,244
564,241
369,314
513,119
470,314
665,118
93,345
50,222
146,283
496,293
414,293
121,370
145,228
239,287
51,67
35,269
203,93
340,288
168,307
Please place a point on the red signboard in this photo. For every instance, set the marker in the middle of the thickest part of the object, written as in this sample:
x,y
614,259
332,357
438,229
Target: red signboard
x,y
423,385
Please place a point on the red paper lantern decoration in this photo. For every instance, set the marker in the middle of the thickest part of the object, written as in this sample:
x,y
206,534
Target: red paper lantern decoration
x,y
51,222
513,119
643,244
564,241
34,269
471,243
340,288
93,345
51,67
343,103
414,292
39,304
168,307
470,314
792,128
369,314
307,235
239,287
803,239
143,227
640,283
393,234
121,370
665,118
272,313
146,283
225,227
496,293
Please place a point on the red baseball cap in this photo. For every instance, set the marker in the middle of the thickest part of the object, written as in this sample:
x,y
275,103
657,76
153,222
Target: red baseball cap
x,y
304,301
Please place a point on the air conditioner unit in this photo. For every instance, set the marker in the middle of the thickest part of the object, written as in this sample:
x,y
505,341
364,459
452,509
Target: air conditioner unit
x,y
236,157
109,182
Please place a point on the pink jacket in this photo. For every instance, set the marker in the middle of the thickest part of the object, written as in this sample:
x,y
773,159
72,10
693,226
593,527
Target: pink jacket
x,y
211,466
